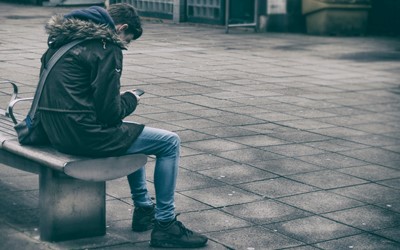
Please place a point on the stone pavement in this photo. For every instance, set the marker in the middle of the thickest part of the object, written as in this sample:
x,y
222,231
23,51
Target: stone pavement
x,y
289,141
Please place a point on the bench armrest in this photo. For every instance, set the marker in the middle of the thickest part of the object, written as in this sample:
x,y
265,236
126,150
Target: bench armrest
x,y
14,100
14,94
11,105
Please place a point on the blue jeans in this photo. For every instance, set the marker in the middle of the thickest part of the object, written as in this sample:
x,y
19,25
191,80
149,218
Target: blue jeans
x,y
165,146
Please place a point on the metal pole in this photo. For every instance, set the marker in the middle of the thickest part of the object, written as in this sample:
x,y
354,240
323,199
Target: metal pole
x,y
255,15
227,4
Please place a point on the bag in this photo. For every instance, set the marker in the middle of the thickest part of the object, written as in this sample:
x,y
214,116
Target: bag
x,y
31,132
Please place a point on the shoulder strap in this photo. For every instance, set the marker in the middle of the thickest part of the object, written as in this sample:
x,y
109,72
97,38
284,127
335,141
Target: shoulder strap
x,y
46,70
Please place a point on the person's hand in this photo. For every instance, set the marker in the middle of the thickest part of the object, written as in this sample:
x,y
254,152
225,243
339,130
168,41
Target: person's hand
x,y
134,93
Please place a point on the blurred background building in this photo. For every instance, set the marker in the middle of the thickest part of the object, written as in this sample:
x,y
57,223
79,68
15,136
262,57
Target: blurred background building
x,y
321,17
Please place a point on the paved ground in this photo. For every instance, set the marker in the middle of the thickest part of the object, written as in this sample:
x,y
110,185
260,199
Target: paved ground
x,y
289,141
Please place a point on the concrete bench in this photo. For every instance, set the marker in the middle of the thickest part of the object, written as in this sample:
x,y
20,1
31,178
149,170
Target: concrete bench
x,y
72,189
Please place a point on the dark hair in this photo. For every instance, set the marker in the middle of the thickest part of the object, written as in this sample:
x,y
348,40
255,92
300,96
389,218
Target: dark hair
x,y
122,13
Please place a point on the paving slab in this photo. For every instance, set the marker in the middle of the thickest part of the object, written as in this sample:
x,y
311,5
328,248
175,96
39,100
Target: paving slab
x,y
327,179
266,212
368,218
278,187
313,229
321,202
361,241
255,238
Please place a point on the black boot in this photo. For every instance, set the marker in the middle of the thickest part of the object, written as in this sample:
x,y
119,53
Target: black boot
x,y
175,235
143,219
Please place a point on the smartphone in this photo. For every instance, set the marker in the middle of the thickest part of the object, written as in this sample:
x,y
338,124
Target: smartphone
x,y
139,92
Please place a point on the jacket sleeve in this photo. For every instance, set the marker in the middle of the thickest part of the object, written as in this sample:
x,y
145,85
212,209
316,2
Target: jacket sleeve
x,y
111,106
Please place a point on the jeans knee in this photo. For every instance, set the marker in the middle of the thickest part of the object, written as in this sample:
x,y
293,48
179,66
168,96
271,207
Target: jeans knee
x,y
174,140
172,144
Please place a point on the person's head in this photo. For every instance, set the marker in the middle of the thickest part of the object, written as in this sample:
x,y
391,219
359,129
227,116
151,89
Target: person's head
x,y
126,20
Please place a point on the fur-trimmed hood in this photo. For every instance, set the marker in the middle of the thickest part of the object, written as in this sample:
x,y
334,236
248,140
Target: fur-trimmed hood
x,y
82,24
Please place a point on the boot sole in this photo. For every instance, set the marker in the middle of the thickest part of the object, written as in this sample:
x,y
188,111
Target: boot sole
x,y
142,229
161,244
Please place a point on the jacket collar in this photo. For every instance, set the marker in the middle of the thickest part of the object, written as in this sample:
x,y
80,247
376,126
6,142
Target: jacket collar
x,y
62,30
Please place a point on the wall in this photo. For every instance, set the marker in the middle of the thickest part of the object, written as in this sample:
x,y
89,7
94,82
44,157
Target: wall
x,y
384,17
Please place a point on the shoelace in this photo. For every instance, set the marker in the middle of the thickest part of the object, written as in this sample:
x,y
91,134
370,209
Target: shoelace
x,y
182,227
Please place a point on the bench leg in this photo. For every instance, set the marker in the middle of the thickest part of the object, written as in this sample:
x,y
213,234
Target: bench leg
x,y
70,208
